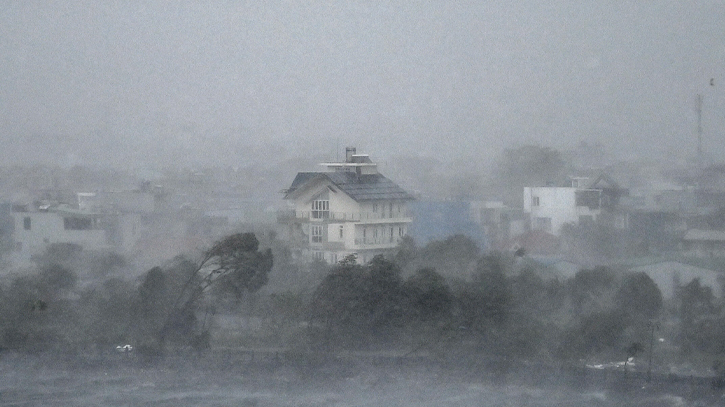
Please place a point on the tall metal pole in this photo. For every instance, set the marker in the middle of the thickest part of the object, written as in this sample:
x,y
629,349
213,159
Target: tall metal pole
x,y
699,133
652,326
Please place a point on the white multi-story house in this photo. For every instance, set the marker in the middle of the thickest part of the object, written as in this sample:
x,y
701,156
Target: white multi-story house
x,y
99,221
36,228
580,201
349,209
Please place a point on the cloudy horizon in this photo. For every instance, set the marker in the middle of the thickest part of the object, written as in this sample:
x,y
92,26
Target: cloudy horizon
x,y
152,83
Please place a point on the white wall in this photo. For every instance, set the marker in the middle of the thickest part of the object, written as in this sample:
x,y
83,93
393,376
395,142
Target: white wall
x,y
353,216
47,228
555,203
339,201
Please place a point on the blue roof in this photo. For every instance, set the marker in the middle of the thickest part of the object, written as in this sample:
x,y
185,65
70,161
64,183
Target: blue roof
x,y
438,220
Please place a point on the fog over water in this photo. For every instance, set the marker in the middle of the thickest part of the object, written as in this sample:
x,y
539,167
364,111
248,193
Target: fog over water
x,y
126,384
198,83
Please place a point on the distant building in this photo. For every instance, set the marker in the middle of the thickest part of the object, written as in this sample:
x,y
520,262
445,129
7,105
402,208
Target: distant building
x,y
704,243
499,222
36,228
349,209
578,201
96,221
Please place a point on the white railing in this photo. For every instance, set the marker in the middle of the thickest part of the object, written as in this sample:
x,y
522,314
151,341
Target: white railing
x,y
350,216
362,242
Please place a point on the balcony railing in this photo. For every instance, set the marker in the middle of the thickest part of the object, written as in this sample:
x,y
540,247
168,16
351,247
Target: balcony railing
x,y
343,216
379,242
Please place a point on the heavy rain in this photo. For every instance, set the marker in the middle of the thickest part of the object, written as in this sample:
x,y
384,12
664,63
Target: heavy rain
x,y
278,203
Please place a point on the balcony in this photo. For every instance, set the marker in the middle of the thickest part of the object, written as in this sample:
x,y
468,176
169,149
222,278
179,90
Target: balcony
x,y
328,246
329,216
378,243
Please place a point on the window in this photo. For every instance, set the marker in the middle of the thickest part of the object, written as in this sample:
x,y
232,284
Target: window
x,y
375,207
316,233
400,231
320,256
320,209
341,231
26,223
391,210
589,198
391,235
534,201
77,223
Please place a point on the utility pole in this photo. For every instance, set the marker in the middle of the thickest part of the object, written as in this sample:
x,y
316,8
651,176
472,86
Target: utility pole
x,y
699,133
652,326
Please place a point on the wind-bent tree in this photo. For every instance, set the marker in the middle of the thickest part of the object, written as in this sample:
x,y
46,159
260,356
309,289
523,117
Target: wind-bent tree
x,y
236,262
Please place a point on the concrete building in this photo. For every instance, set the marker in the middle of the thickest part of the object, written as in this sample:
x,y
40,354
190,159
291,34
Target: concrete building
x,y
576,202
36,228
349,209
96,221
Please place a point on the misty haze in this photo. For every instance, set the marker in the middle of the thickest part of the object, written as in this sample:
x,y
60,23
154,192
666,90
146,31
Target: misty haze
x,y
359,203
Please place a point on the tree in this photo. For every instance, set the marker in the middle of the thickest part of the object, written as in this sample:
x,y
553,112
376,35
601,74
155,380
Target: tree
x,y
59,253
236,262
595,333
485,303
54,277
359,304
591,289
452,257
107,314
36,313
639,295
429,295
406,251
696,310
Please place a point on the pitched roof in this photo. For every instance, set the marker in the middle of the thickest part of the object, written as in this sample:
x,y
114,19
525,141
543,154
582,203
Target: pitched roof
x,y
705,235
604,181
365,187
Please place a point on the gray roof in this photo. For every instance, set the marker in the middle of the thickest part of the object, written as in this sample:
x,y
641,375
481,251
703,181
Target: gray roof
x,y
705,235
366,187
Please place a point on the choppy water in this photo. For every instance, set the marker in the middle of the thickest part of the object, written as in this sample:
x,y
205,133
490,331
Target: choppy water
x,y
34,383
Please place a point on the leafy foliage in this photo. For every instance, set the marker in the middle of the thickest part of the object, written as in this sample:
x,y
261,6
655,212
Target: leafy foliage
x,y
591,289
639,295
235,262
485,303
453,257
429,295
356,303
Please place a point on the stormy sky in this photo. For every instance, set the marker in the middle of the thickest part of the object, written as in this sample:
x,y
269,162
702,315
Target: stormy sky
x,y
132,83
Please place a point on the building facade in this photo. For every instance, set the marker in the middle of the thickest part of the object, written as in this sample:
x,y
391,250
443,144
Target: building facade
x,y
579,201
35,229
349,209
